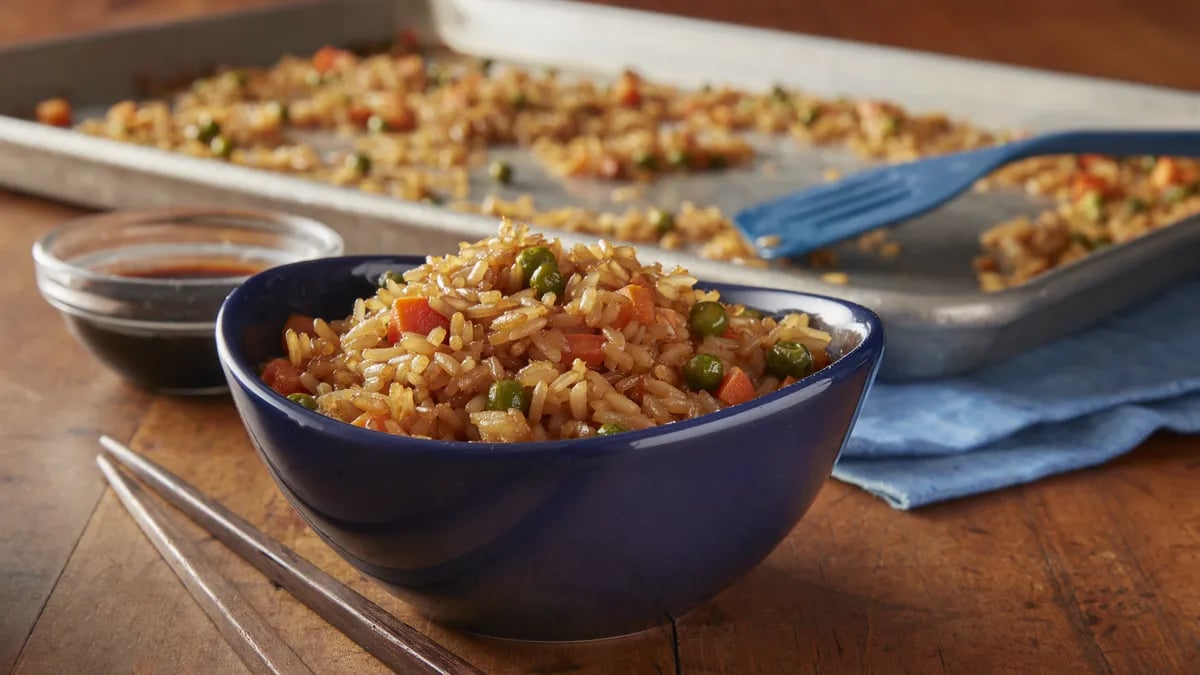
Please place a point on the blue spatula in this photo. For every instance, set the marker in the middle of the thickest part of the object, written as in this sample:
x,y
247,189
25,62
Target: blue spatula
x,y
825,214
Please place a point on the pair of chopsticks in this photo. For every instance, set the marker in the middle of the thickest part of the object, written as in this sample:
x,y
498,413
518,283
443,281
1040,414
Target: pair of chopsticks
x,y
399,646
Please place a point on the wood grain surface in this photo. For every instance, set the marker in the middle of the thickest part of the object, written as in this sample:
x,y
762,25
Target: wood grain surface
x,y
1153,41
1097,571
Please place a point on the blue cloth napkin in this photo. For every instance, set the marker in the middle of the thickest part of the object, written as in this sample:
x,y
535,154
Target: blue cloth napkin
x,y
1077,402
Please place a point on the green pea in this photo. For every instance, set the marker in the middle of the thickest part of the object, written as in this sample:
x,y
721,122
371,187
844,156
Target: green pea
x,y
377,124
610,428
392,276
547,279
436,76
1090,243
360,162
434,199
679,159
708,318
703,371
485,66
313,78
1174,193
717,162
221,147
890,126
807,115
706,88
1137,205
662,221
786,358
532,258
238,78
1092,205
518,100
206,130
752,313
1148,162
509,394
779,93
280,110
501,172
645,160
303,400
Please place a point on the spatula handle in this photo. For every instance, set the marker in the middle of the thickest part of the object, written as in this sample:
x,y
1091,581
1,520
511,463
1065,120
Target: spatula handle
x,y
1178,143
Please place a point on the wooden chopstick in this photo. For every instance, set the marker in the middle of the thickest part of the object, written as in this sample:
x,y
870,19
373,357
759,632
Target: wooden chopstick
x,y
259,647
398,645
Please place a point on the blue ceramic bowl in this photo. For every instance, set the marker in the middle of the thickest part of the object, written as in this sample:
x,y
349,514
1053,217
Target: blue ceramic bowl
x,y
554,540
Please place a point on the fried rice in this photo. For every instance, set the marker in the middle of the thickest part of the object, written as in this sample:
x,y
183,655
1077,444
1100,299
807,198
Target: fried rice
x,y
615,350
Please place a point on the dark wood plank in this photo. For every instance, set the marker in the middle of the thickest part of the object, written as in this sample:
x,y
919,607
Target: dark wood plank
x,y
1152,41
24,20
119,609
1124,542
202,441
859,587
57,401
1093,572
1090,572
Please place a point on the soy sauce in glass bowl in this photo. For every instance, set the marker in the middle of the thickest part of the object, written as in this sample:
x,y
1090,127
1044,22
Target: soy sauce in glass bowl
x,y
141,289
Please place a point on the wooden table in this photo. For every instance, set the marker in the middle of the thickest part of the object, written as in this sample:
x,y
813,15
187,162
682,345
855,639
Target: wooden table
x,y
1095,571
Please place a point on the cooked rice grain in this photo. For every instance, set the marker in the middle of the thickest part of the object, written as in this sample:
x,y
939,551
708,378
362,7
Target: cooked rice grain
x,y
435,385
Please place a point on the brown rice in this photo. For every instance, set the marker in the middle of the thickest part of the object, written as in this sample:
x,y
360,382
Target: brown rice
x,y
490,327
416,126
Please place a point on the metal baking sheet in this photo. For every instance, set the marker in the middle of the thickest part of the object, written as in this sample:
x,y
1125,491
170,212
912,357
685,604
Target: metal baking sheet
x,y
938,323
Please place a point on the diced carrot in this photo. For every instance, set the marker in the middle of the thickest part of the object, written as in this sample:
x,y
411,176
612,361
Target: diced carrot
x,y
358,115
728,332
586,347
736,387
788,381
1084,183
627,89
624,315
401,118
283,377
327,58
641,308
1168,172
369,421
55,112
413,315
409,41
300,323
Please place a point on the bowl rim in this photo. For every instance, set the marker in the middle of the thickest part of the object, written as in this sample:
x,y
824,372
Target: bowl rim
x,y
867,353
324,237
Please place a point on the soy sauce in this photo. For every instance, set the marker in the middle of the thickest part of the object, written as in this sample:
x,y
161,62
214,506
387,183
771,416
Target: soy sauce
x,y
171,364
195,270
164,361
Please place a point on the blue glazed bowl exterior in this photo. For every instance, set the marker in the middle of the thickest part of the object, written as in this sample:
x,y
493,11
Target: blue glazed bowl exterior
x,y
555,540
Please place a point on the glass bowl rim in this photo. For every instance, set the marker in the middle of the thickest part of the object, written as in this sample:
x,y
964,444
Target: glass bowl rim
x,y
326,240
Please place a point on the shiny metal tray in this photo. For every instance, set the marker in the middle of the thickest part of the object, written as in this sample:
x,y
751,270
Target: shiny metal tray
x,y
938,323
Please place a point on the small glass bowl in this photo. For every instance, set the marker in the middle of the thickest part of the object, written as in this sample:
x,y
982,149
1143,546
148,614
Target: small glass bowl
x,y
141,289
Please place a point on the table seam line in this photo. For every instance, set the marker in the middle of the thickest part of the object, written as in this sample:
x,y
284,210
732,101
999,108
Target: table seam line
x,y
57,579
1064,589
137,427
